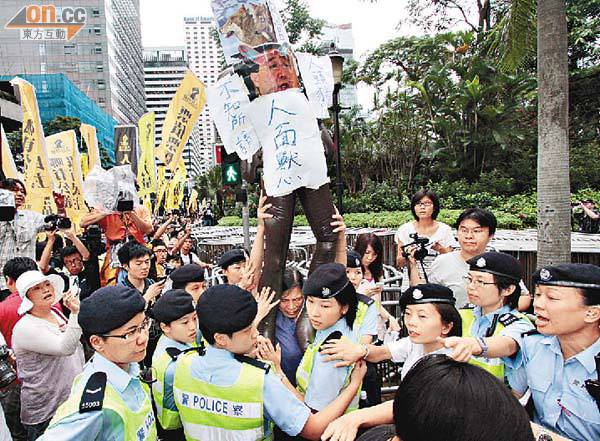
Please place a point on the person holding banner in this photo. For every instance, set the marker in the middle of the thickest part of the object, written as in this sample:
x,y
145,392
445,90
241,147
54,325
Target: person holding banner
x,y
118,227
18,236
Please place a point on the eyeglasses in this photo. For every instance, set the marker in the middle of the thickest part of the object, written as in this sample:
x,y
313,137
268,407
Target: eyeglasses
x,y
160,251
73,262
424,204
133,334
478,283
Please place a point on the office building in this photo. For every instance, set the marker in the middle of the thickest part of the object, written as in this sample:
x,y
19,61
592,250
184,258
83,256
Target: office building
x,y
104,60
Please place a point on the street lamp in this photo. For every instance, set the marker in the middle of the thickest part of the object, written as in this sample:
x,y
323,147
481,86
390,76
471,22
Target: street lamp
x,y
337,64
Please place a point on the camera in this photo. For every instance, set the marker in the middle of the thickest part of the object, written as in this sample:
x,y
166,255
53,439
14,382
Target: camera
x,y
7,373
54,221
420,243
93,240
7,205
175,212
124,204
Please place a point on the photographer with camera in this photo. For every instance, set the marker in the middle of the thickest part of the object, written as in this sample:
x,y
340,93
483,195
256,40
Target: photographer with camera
x,y
475,227
19,228
185,244
118,228
587,217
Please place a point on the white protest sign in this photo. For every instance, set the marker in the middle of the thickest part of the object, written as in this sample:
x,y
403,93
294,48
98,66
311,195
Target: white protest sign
x,y
317,75
228,105
293,153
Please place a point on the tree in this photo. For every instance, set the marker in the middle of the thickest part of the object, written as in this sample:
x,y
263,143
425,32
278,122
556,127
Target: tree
x,y
210,186
554,228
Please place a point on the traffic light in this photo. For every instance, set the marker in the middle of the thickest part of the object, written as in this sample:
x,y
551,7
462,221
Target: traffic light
x,y
230,169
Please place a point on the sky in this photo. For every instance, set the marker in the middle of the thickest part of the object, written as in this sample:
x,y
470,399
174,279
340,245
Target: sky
x,y
372,23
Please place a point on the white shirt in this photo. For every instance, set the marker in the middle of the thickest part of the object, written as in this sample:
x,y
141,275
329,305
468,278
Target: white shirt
x,y
449,270
404,350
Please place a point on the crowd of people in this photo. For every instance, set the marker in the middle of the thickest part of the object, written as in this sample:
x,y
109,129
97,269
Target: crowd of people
x,y
120,334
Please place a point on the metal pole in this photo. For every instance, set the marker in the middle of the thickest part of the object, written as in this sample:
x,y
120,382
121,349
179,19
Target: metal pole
x,y
338,153
245,217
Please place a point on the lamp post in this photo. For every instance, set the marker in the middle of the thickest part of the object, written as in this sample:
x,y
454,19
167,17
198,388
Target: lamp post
x,y
337,63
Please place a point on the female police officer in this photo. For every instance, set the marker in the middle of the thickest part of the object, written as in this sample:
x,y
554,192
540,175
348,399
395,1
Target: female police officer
x,y
108,401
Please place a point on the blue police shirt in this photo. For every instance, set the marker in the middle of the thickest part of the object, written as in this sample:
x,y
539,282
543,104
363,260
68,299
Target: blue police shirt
x,y
369,324
281,406
562,403
167,382
326,381
99,425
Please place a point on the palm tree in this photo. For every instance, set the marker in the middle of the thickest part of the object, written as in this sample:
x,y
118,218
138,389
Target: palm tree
x,y
553,187
210,186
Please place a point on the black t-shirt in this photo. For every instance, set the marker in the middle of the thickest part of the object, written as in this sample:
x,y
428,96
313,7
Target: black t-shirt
x,y
378,433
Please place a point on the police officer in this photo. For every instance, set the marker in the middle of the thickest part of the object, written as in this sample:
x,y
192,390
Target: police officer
x,y
225,395
176,314
233,263
558,360
190,278
493,327
108,399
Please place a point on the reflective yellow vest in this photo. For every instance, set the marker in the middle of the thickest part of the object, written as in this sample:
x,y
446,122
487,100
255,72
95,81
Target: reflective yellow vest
x,y
168,419
138,426
494,366
210,412
306,366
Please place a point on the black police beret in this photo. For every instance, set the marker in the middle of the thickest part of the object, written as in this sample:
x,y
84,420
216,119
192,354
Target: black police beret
x,y
187,273
576,275
226,309
108,308
427,293
353,259
327,281
172,305
500,264
232,256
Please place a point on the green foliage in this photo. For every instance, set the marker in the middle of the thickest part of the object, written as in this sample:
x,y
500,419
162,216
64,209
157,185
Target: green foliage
x,y
300,26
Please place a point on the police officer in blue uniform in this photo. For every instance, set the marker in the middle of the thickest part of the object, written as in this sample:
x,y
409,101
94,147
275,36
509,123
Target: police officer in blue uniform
x,y
223,394
561,359
109,401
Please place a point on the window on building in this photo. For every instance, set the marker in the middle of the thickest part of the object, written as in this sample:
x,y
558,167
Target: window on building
x,y
44,86
95,12
99,67
101,84
42,48
97,29
98,49
43,68
69,49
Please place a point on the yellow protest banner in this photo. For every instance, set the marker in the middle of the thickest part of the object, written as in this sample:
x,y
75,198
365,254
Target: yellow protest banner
x,y
146,177
162,185
88,133
181,117
85,168
8,163
37,176
179,189
65,167
193,205
170,195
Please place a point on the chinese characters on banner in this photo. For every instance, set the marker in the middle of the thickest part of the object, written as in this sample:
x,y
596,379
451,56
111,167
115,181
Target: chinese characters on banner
x,y
181,117
65,168
146,176
162,185
292,150
126,147
8,163
88,133
317,75
228,105
37,177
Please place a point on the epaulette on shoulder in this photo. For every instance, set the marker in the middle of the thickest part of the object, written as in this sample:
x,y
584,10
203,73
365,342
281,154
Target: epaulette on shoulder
x,y
507,319
530,332
253,362
93,393
175,353
365,299
467,306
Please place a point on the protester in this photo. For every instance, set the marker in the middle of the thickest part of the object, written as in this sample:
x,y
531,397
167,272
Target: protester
x,y
176,314
160,254
226,315
440,399
493,328
476,227
184,247
118,228
174,261
46,347
18,237
429,314
113,322
208,217
425,207
135,259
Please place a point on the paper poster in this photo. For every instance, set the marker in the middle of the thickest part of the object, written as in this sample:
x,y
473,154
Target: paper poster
x,y
228,103
246,23
293,153
317,76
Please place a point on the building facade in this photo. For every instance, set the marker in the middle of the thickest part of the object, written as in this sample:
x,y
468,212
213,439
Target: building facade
x,y
104,60
204,57
164,70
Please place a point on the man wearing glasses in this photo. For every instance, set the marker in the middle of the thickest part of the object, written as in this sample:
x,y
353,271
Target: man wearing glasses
x,y
110,399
